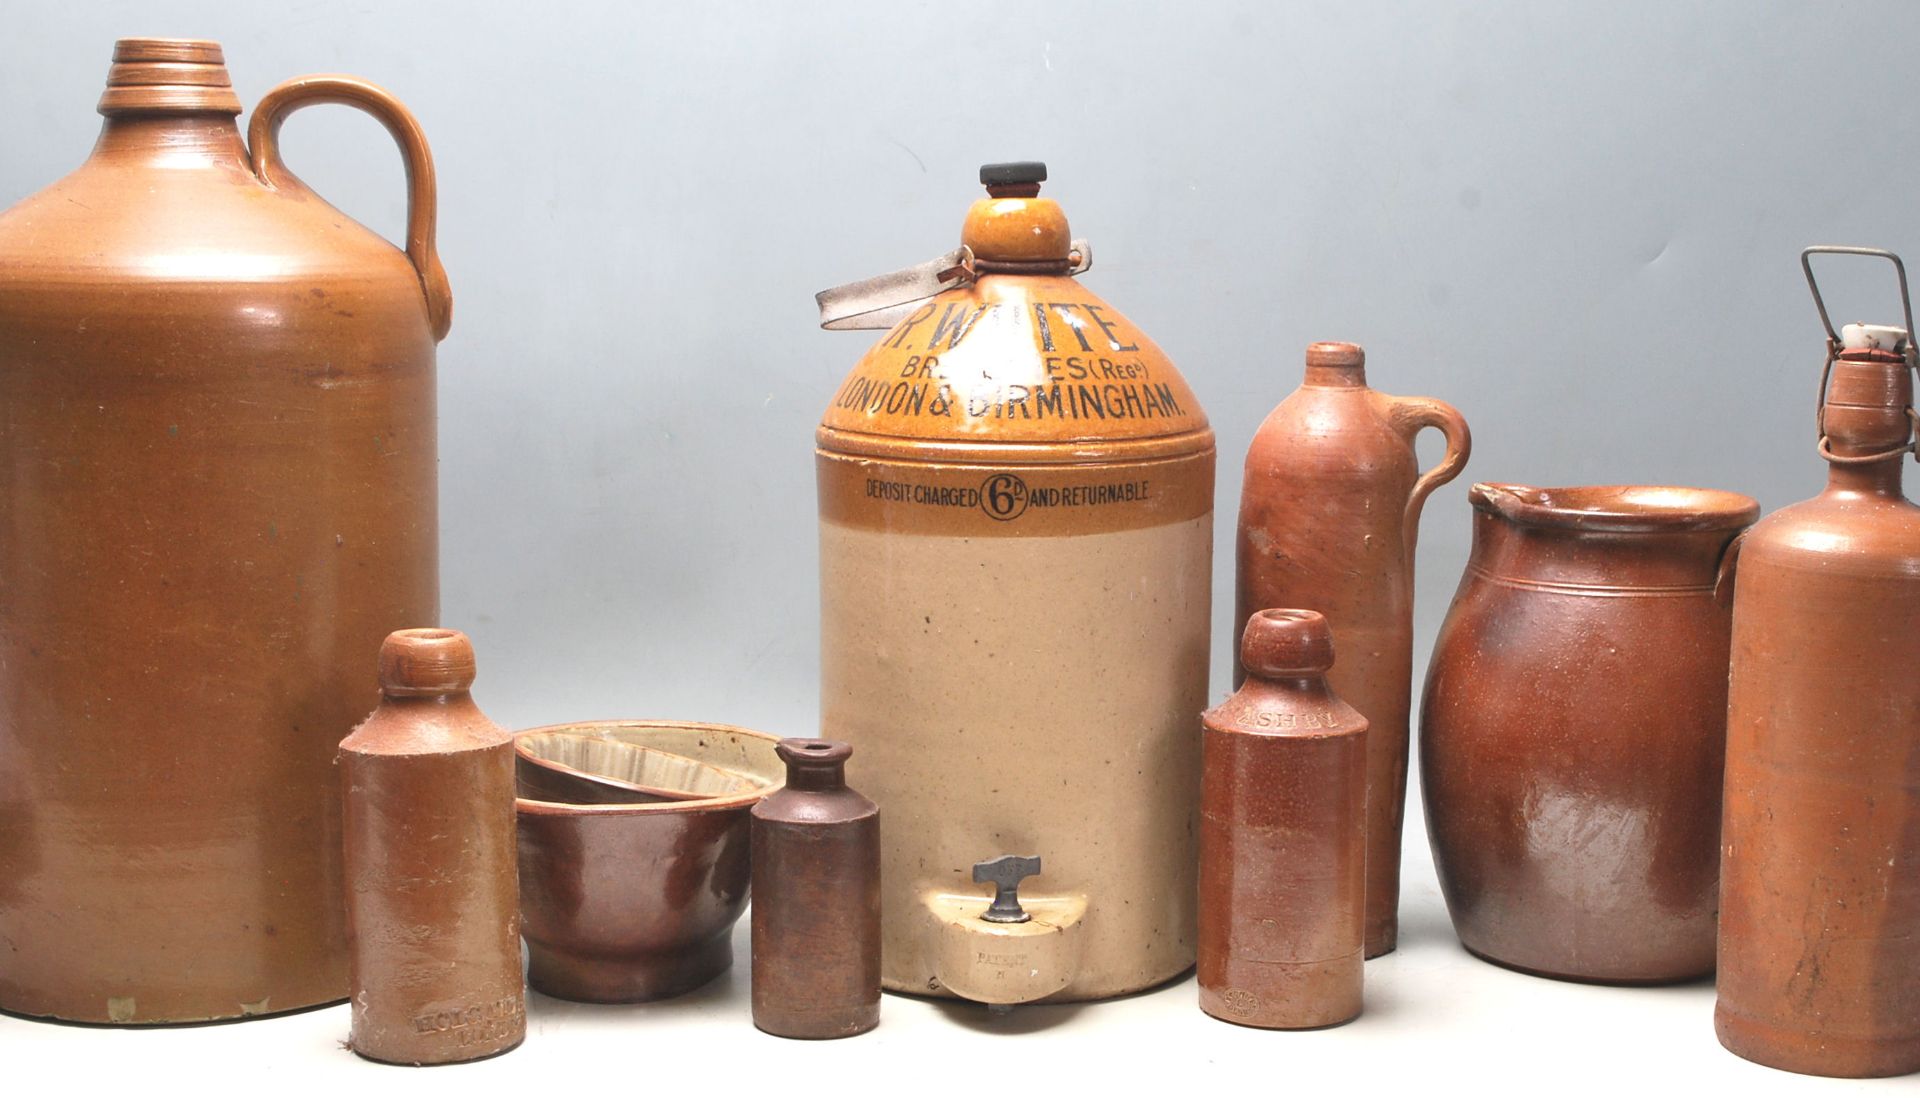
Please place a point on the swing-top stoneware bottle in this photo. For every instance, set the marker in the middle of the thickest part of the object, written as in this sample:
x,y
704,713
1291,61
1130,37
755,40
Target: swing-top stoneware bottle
x,y
1016,498
432,894
1819,965
217,453
1329,513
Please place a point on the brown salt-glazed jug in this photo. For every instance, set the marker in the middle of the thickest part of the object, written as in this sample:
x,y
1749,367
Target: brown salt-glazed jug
x,y
1820,873
816,899
217,452
433,903
1283,835
1016,535
1573,729
1329,511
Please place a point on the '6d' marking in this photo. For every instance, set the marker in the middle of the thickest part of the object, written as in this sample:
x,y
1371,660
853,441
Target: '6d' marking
x,y
1003,496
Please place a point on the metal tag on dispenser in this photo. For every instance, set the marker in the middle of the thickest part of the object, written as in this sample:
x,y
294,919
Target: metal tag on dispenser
x,y
884,300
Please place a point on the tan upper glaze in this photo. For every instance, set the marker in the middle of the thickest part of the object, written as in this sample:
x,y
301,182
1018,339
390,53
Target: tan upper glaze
x,y
1024,364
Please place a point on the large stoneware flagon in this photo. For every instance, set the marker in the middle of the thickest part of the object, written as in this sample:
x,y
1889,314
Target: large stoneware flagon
x,y
218,470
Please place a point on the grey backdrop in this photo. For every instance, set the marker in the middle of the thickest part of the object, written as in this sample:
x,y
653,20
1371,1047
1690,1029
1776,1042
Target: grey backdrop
x,y
1577,223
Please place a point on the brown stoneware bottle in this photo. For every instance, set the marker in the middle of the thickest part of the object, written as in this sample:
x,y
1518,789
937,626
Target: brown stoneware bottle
x,y
217,453
816,899
1573,730
433,903
1820,874
1329,512
1283,847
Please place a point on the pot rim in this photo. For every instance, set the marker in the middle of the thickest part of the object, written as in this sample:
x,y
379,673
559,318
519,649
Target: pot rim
x,y
530,806
1616,507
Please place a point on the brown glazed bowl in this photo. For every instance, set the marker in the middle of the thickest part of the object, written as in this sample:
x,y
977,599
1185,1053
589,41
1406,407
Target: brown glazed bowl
x,y
624,903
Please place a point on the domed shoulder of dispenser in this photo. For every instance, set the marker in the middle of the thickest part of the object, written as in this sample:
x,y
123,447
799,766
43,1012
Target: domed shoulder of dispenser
x,y
1022,361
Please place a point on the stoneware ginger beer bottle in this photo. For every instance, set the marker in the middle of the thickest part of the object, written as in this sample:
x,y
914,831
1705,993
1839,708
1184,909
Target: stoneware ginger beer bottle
x,y
432,894
816,899
1329,512
1283,826
1819,967
1016,491
217,453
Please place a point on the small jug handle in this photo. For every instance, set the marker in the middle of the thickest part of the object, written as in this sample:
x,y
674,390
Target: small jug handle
x,y
263,146
1410,416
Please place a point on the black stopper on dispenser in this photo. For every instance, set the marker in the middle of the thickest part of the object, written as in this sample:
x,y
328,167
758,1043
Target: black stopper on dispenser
x,y
1013,173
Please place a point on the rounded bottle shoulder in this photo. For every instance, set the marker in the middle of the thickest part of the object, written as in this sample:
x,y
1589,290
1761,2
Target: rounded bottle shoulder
x,y
1267,709
1344,432
1844,531
127,225
426,726
821,807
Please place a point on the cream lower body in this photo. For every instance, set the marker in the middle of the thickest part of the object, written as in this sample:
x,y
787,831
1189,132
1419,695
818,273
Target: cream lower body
x,y
1032,696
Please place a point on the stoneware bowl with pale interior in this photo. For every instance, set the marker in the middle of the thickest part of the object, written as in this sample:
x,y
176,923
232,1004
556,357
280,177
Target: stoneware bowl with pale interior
x,y
623,903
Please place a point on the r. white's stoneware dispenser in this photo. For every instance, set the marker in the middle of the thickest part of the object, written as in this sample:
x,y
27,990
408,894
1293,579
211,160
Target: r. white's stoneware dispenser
x,y
1016,497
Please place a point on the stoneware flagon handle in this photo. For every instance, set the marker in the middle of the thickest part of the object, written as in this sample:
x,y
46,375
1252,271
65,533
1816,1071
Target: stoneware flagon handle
x,y
263,145
1411,415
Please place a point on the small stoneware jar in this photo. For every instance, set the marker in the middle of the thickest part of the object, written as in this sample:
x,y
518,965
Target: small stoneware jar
x,y
816,899
1283,836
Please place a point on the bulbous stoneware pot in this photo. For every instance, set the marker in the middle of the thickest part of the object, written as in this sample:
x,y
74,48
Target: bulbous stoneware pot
x,y
1573,730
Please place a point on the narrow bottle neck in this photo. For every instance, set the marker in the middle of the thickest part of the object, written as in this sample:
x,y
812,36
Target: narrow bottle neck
x,y
183,140
1336,377
1879,478
816,779
423,701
